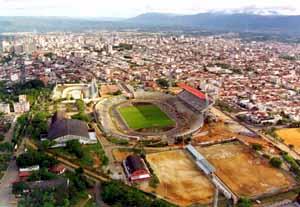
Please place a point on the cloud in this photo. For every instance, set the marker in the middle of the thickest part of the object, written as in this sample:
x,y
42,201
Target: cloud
x,y
128,8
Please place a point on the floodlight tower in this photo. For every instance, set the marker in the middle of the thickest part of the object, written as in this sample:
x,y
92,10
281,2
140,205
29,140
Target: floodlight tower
x,y
216,197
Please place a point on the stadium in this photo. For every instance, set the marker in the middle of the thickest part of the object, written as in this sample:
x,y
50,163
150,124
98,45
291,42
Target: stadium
x,y
153,115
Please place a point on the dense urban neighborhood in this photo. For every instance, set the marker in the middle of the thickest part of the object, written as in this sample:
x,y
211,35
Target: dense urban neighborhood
x,y
148,119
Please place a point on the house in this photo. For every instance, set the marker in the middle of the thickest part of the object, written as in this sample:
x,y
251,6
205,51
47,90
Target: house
x,y
30,168
24,173
135,168
57,169
23,176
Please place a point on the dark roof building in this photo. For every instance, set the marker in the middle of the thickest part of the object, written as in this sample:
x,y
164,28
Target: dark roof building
x,y
63,130
135,168
68,127
48,184
59,115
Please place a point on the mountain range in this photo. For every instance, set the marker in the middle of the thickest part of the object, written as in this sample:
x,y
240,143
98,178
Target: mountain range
x,y
226,22
212,21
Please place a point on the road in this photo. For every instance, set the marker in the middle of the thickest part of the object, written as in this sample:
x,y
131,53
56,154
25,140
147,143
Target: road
x,y
98,197
7,199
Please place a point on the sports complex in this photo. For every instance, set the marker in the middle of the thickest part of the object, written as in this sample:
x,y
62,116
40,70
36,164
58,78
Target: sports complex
x,y
153,115
201,170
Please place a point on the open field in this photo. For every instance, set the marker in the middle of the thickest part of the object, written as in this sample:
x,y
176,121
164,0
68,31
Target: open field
x,y
144,116
290,136
225,128
121,155
181,182
244,173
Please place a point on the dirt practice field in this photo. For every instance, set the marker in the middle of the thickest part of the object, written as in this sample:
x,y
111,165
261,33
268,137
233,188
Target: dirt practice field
x,y
225,128
245,174
181,182
290,136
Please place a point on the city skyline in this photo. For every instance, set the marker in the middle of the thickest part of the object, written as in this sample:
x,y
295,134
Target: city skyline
x,y
126,9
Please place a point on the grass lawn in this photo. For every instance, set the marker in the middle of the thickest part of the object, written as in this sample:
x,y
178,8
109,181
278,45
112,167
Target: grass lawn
x,y
145,116
93,155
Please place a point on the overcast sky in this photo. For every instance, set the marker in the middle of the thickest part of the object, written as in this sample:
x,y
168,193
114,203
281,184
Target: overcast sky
x,y
130,8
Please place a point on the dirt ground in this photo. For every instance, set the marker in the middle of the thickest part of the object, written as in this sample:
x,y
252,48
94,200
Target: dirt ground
x,y
219,131
121,155
96,161
181,182
246,174
290,136
226,128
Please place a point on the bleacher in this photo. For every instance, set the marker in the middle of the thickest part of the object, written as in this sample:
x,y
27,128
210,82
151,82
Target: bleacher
x,y
193,101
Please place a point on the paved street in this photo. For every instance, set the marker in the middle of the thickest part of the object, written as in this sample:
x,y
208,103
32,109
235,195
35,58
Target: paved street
x,y
7,199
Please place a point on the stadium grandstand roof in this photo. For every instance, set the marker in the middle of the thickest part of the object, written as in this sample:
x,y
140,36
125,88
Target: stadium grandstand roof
x,y
192,90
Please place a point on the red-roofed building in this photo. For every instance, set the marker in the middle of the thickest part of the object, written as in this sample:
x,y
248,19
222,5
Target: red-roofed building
x,y
23,176
58,169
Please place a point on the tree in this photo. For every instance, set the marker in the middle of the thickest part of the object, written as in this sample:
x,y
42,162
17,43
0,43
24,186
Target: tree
x,y
276,162
80,105
42,174
2,137
82,117
31,158
17,188
46,144
163,83
79,171
74,147
257,147
6,147
38,124
244,202
117,194
38,198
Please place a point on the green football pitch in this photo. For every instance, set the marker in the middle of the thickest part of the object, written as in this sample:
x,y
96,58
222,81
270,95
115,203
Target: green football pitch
x,y
145,116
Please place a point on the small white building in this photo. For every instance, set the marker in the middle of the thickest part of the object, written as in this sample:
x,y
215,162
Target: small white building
x,y
4,108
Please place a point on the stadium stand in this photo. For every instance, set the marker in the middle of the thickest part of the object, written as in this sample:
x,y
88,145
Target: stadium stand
x,y
193,98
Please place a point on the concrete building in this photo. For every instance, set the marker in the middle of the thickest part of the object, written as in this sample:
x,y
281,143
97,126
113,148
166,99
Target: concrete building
x,y
22,106
4,108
